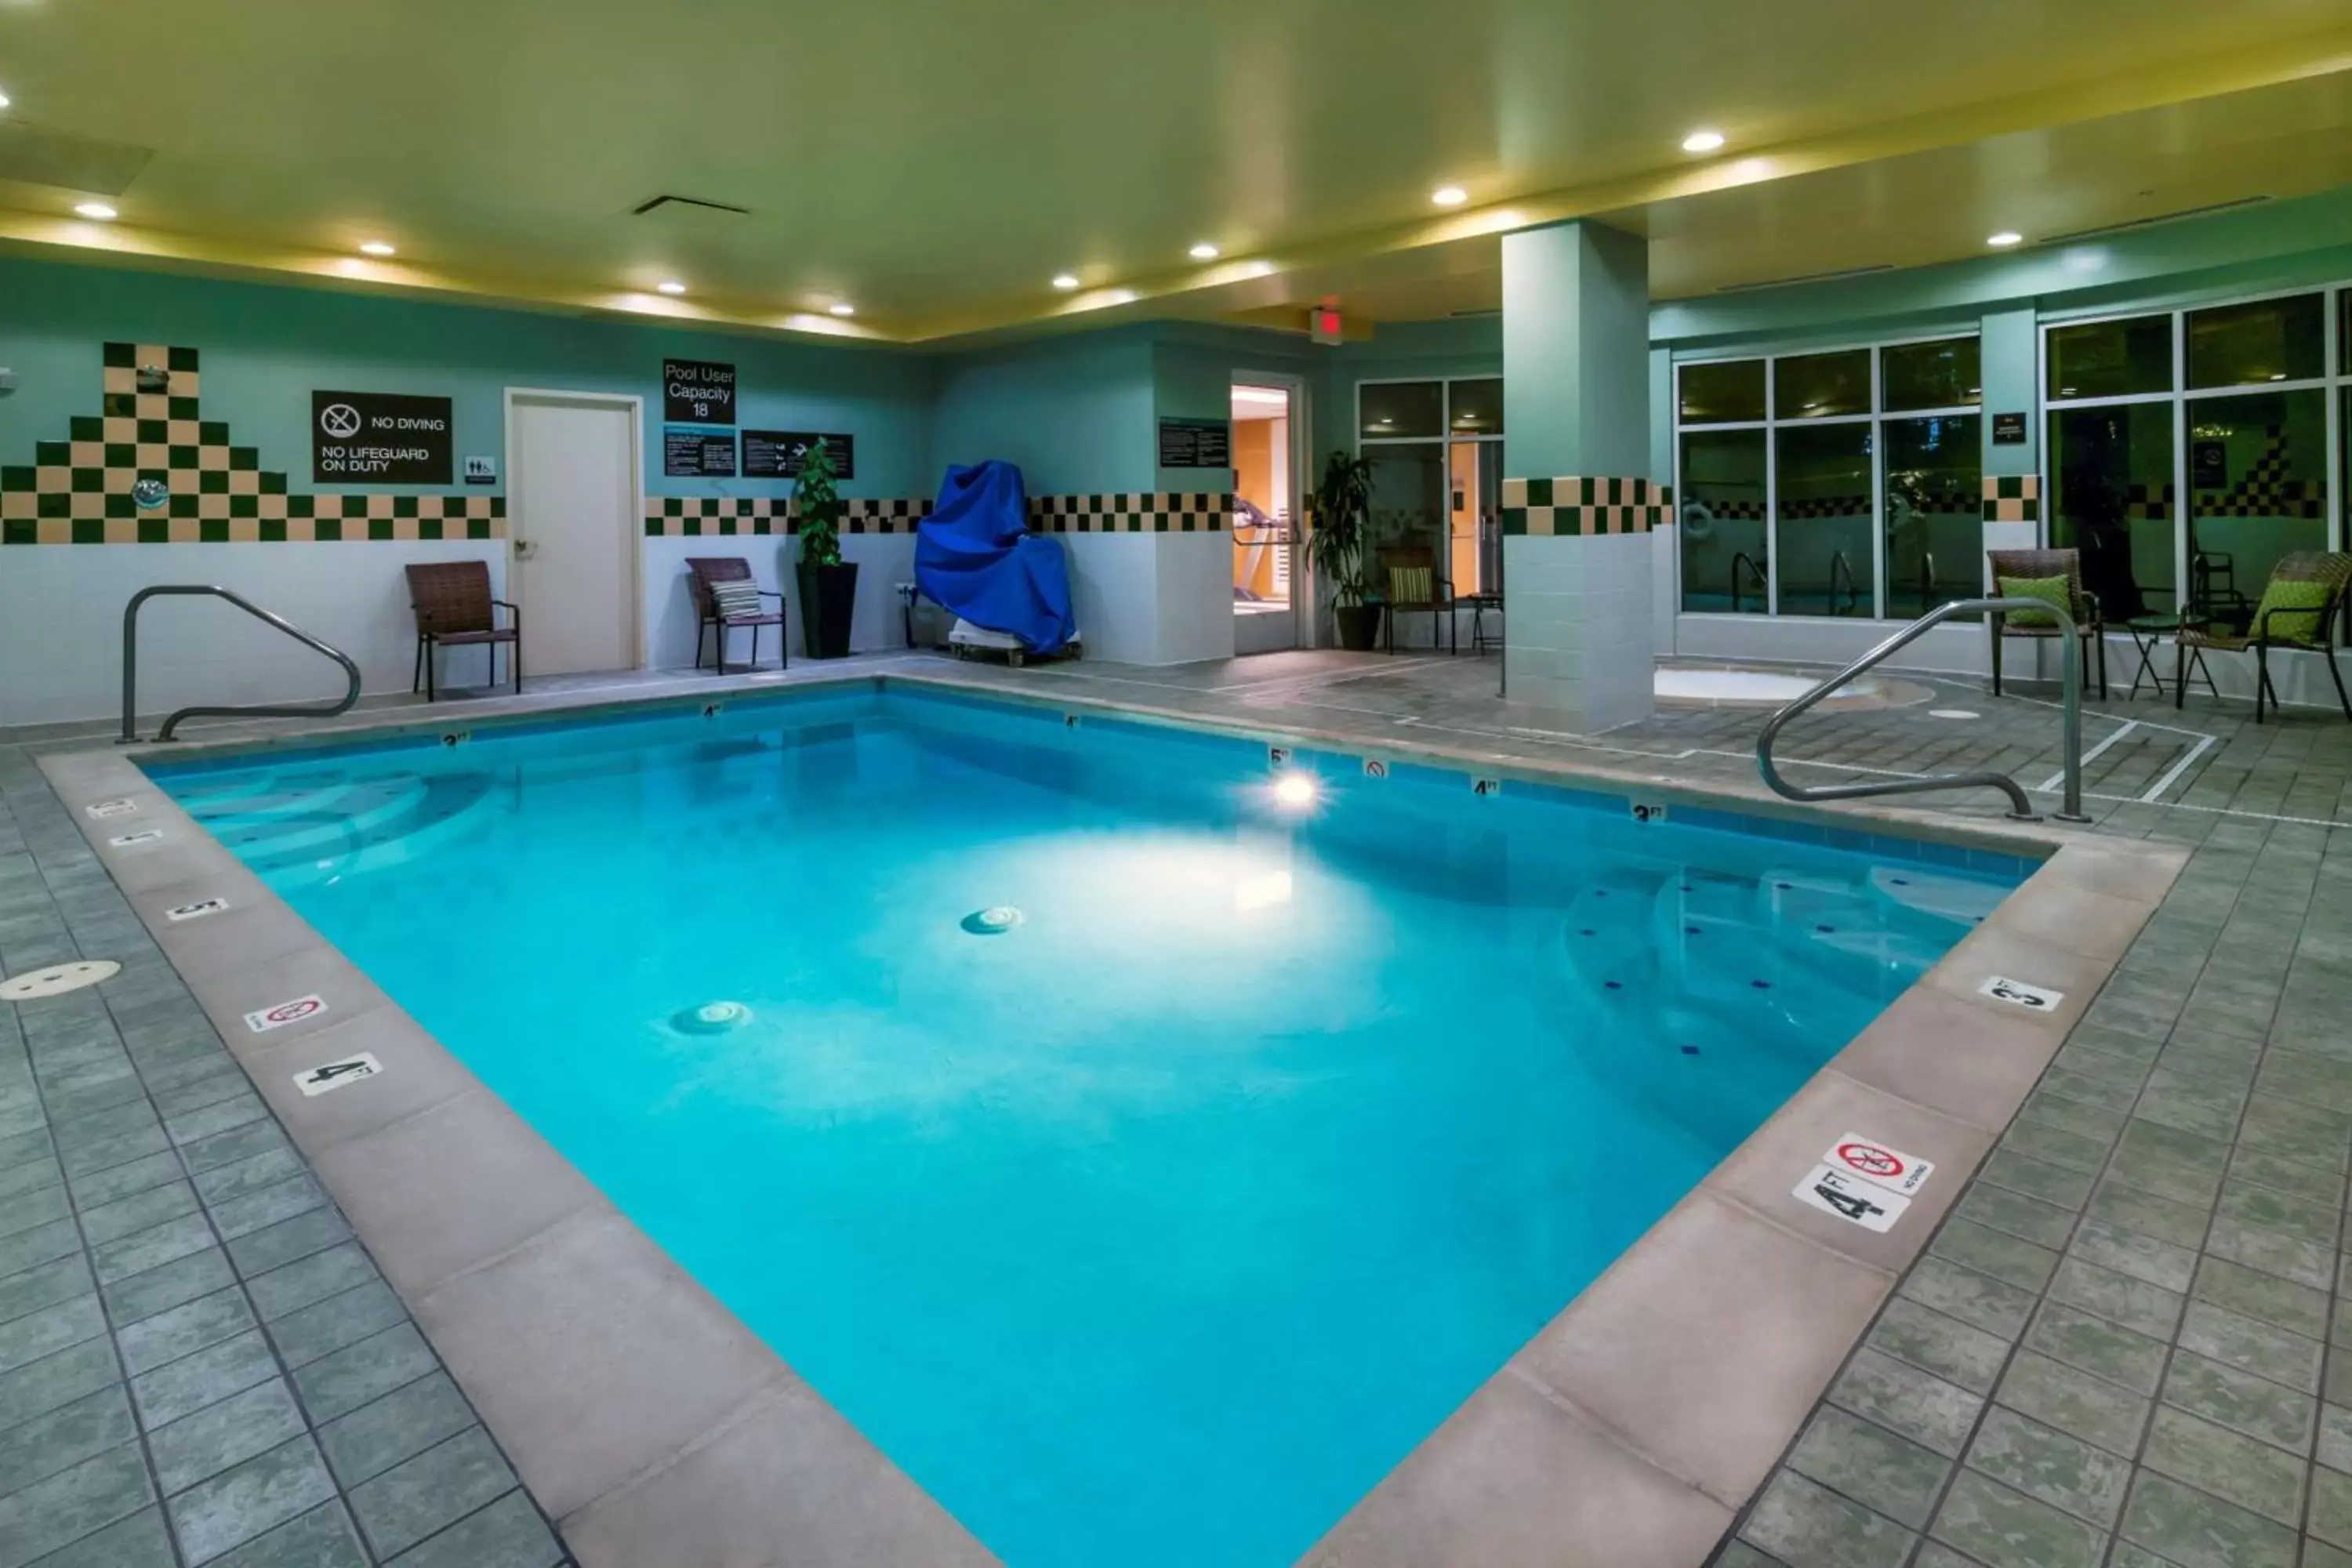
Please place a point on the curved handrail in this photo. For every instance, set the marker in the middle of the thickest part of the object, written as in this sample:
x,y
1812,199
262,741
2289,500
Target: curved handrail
x,y
2020,809
250,709
1762,580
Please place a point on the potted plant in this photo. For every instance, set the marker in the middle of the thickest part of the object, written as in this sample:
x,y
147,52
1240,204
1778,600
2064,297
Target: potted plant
x,y
828,583
1337,543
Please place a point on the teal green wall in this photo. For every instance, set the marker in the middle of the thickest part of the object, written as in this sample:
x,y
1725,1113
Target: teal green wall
x,y
1074,413
1575,364
266,348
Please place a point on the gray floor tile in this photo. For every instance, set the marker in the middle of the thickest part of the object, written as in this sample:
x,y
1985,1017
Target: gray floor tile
x,y
2133,1304
141,1540
405,1421
36,1449
264,1170
2045,1463
1800,1523
45,1285
285,1242
184,1387
2074,1403
1889,1474
37,1334
160,1290
2241,1402
125,1180
54,1513
323,1327
1974,1298
350,1377
1927,1410
312,1278
249,1212
2195,1529
110,1222
323,1538
2002,1528
2254,1476
200,1445
184,1330
422,1495
56,1381
1951,1349
249,1500
151,1248
509,1533
2249,1346
2093,1344
2265,1297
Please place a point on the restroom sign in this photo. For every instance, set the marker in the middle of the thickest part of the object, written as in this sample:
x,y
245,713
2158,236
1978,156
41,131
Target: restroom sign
x,y
386,438
285,1012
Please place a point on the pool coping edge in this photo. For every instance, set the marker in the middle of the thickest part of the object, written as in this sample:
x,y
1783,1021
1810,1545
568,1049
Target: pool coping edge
x,y
1573,1391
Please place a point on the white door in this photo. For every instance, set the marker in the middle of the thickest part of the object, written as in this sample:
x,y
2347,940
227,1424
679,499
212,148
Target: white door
x,y
572,481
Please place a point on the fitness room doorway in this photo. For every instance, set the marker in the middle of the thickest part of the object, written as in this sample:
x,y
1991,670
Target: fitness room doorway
x,y
1265,507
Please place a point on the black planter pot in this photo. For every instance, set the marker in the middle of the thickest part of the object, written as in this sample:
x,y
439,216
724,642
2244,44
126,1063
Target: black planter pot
x,y
1359,626
828,603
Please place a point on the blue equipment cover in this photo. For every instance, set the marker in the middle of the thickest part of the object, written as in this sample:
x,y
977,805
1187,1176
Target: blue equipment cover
x,y
975,555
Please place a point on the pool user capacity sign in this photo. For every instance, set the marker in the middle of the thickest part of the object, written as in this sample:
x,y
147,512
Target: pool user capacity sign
x,y
386,438
1865,1181
697,419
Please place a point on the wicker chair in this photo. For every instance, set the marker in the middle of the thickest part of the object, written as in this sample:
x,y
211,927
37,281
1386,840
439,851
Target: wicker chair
x,y
2333,570
1395,558
705,572
2090,625
454,608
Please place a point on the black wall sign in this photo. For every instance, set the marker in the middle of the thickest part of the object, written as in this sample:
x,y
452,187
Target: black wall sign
x,y
697,392
698,454
1196,444
380,437
776,454
2009,429
2209,465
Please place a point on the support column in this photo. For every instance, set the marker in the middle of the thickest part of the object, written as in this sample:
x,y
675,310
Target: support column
x,y
1578,503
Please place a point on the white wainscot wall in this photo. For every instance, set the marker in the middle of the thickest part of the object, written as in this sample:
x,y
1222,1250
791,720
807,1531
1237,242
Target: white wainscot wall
x,y
61,623
1152,598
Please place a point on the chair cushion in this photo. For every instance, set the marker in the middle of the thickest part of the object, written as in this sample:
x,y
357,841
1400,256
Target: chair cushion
x,y
2305,599
2049,590
735,601
1411,584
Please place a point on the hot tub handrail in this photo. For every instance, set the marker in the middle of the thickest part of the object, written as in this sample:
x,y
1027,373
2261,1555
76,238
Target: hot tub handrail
x,y
250,709
2021,809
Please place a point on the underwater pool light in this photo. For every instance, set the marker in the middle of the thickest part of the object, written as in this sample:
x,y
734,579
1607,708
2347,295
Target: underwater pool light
x,y
1296,791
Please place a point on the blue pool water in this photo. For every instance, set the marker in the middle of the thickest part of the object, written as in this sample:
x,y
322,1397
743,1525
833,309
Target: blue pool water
x,y
1157,1228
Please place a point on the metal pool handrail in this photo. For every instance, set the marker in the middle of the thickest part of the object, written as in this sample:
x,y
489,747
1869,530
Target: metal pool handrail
x,y
2021,809
250,709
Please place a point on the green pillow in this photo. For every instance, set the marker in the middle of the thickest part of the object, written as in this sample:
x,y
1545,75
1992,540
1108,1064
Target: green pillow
x,y
1411,584
2049,590
2307,598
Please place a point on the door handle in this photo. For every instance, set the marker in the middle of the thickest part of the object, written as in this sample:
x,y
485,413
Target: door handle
x,y
524,549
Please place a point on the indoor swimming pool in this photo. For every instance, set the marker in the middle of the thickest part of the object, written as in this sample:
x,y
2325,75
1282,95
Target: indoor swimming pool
x,y
1144,1136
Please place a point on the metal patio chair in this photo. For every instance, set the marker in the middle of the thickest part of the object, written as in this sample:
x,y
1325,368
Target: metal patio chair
x,y
1409,576
2309,627
454,609
726,597
2090,624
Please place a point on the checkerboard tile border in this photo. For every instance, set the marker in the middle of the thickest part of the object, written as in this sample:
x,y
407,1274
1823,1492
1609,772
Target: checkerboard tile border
x,y
705,516
80,490
1577,507
1132,511
2013,498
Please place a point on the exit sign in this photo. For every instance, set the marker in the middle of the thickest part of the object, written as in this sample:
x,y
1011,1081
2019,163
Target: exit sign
x,y
1325,326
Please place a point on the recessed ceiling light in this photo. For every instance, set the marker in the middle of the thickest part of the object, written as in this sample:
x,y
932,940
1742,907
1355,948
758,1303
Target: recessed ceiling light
x,y
3,100
377,248
1703,141
842,307
671,286
1203,251
1119,297
1065,281
2004,240
98,210
1449,196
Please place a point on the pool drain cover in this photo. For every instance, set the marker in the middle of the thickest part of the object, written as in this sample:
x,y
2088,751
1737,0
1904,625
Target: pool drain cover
x,y
993,921
58,979
713,1018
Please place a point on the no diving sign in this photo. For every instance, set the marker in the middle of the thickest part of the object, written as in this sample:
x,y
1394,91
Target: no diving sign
x,y
1865,1181
285,1012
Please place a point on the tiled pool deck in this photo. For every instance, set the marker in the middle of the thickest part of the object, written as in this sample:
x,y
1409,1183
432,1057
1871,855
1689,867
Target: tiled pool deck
x,y
2115,1350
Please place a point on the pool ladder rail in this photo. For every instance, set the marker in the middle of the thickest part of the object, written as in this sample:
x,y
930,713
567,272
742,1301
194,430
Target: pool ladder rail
x,y
239,710
2021,809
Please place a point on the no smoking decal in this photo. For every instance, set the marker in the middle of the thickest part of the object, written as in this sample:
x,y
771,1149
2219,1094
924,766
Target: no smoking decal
x,y
1875,1162
285,1012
